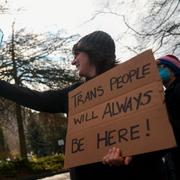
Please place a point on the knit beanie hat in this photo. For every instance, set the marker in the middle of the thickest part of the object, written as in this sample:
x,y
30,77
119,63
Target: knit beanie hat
x,y
172,62
97,41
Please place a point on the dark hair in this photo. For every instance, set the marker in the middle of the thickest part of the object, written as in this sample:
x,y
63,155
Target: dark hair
x,y
100,48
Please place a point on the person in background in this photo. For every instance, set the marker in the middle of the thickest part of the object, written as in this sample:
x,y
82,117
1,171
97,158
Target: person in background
x,y
93,55
169,70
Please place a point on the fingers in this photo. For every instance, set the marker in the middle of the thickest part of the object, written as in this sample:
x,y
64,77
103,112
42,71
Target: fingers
x,y
114,157
106,158
114,154
127,160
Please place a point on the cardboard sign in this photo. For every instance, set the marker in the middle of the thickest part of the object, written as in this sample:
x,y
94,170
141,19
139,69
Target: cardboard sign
x,y
124,107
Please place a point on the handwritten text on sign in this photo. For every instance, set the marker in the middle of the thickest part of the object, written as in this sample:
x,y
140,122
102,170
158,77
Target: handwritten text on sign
x,y
123,107
116,108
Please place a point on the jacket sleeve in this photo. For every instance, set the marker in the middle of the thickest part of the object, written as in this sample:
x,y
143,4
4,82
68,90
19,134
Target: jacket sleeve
x,y
53,101
177,92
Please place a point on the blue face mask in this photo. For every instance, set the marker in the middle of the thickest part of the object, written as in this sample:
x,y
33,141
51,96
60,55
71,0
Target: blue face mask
x,y
164,74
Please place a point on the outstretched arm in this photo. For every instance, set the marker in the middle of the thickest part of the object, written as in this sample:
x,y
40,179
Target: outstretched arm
x,y
53,101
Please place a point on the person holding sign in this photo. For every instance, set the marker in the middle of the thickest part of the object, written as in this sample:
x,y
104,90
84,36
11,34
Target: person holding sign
x,y
169,69
93,55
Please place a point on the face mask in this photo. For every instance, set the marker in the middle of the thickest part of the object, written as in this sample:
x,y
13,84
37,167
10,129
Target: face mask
x,y
164,74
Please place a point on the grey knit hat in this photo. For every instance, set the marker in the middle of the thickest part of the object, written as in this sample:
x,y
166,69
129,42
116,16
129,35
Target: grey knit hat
x,y
97,41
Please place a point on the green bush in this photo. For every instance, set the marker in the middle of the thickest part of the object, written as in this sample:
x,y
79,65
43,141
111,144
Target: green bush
x,y
48,163
35,166
7,168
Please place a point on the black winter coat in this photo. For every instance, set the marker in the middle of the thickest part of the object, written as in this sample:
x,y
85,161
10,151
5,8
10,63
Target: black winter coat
x,y
172,97
143,167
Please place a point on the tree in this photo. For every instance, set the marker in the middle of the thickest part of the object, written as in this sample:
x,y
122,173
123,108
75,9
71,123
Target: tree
x,y
31,60
38,58
3,146
149,24
55,128
161,28
35,135
43,132
1,36
3,6
3,9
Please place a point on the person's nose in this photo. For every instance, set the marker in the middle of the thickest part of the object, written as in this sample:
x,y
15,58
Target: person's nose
x,y
74,61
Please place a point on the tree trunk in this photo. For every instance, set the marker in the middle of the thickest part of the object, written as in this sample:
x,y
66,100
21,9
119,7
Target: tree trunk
x,y
22,142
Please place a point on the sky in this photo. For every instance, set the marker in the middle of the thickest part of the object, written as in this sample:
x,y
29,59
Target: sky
x,y
70,15
43,15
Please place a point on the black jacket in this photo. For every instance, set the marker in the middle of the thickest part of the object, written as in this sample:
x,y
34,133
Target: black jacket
x,y
147,166
172,97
